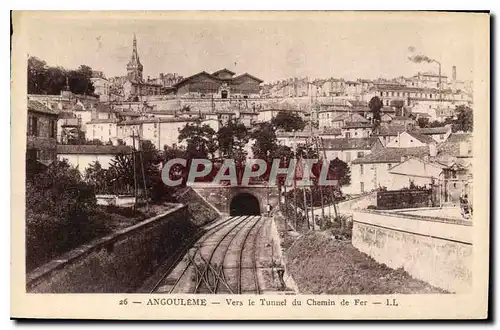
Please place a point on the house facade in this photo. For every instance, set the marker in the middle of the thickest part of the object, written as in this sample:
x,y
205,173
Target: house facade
x,y
41,133
221,84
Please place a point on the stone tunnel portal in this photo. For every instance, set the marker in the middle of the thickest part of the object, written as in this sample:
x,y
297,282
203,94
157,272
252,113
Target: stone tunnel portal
x,y
244,204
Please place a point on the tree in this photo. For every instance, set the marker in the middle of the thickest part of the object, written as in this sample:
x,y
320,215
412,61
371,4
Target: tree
x,y
43,79
464,121
201,140
97,176
375,106
340,171
232,139
423,122
288,121
36,75
436,123
398,105
265,143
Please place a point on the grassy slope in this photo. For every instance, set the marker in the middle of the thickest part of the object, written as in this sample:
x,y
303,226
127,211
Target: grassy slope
x,y
320,264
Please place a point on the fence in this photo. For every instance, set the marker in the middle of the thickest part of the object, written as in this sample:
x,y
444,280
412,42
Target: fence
x,y
401,199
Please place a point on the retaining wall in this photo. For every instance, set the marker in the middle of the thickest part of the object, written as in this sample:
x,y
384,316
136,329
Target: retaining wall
x,y
437,251
119,262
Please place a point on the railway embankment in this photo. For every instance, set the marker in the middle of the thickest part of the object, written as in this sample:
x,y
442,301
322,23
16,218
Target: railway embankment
x,y
326,262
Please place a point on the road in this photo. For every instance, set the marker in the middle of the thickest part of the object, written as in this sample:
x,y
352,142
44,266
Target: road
x,y
235,255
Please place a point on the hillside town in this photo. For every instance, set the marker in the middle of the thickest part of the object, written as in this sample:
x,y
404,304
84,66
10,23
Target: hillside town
x,y
399,150
416,128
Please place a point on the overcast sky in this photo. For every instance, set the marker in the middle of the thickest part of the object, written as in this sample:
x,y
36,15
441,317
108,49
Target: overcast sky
x,y
269,46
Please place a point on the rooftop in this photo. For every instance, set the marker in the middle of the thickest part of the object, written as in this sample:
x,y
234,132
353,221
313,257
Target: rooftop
x,y
349,143
433,130
39,107
422,137
92,149
392,155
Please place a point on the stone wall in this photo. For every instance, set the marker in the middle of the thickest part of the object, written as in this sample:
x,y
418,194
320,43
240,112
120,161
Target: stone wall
x,y
119,262
435,250
220,197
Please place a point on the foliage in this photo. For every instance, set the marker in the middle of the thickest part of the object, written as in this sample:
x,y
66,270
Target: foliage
x,y
464,121
375,106
288,121
201,140
43,79
59,208
340,171
423,122
232,139
265,144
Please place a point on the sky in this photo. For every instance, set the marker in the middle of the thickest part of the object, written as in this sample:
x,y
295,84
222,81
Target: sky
x,y
271,46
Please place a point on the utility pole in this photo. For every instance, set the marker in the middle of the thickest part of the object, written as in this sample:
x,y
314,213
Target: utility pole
x,y
295,181
320,188
332,194
133,164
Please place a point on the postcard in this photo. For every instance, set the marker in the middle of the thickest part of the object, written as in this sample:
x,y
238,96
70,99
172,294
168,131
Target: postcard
x,y
206,165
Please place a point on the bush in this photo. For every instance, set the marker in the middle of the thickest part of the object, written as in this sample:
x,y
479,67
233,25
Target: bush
x,y
60,213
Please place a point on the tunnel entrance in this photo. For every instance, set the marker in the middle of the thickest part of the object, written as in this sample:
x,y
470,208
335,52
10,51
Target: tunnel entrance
x,y
244,204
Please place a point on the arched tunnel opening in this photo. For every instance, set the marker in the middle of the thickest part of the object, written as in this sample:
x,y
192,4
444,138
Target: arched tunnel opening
x,y
244,204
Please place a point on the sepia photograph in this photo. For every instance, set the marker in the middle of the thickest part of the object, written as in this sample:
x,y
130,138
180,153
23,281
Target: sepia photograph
x,y
171,158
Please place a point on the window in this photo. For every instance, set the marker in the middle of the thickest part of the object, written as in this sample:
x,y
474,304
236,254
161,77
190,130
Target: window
x,y
361,154
355,133
389,166
347,134
362,187
53,129
347,156
361,169
32,154
33,126
441,136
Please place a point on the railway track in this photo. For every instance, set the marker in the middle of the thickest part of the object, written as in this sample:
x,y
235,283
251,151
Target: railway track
x,y
205,267
211,230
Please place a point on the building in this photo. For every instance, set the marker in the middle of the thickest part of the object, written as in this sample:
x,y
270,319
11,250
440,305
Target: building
x,y
373,171
349,149
410,139
357,129
456,153
439,134
41,134
68,127
416,171
101,85
82,156
222,84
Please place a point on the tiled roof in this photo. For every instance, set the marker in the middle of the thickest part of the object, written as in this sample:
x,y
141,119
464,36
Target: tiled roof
x,y
392,155
349,143
422,138
39,107
66,114
358,124
104,121
331,131
433,130
391,130
402,118
92,149
452,145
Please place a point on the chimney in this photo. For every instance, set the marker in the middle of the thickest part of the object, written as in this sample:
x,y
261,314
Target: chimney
x,y
432,150
454,72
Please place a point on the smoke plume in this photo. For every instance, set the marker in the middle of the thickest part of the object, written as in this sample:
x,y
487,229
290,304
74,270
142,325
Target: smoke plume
x,y
418,58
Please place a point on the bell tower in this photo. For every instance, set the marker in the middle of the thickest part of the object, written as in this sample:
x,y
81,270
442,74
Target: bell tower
x,y
134,66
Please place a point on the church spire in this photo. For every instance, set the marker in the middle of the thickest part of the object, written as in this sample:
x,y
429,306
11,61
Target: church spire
x,y
134,67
